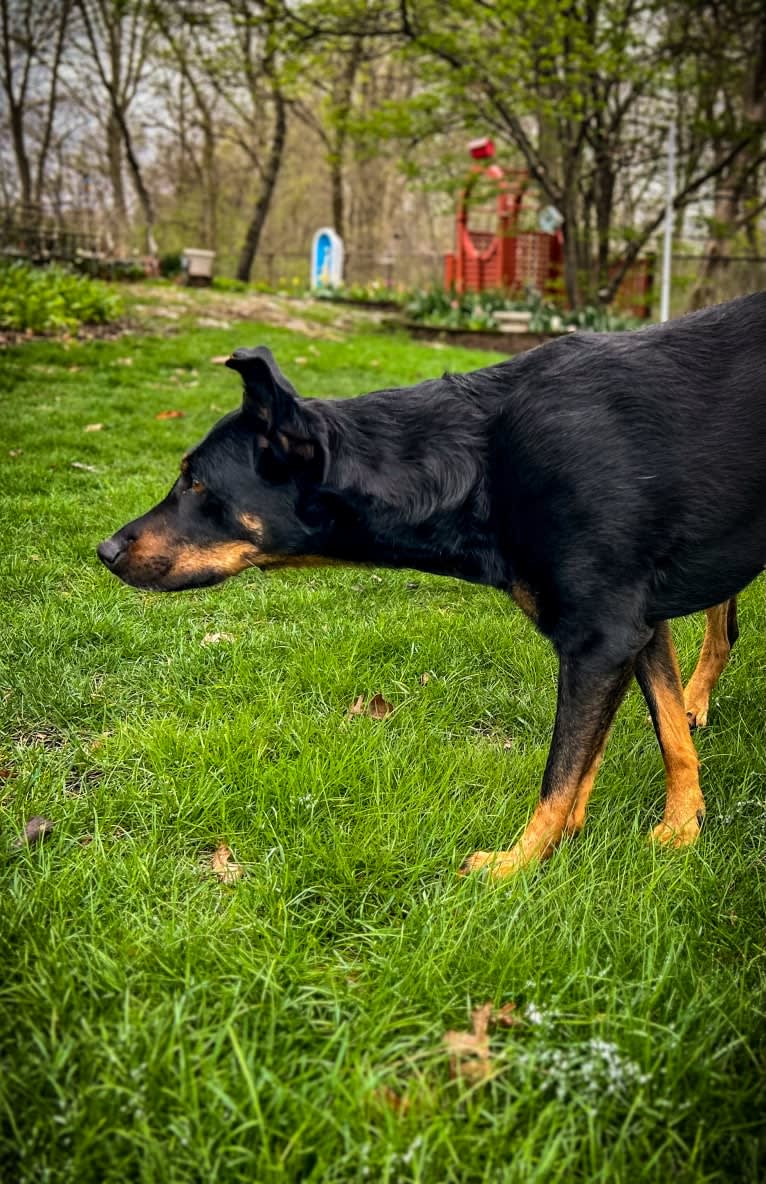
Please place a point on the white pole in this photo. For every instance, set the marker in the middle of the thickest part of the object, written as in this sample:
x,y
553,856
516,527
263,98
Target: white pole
x,y
668,236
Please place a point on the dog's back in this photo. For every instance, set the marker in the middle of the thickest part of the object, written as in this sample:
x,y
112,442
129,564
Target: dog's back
x,y
650,444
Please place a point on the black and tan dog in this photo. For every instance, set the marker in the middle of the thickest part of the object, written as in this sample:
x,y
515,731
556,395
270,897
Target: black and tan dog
x,y
607,482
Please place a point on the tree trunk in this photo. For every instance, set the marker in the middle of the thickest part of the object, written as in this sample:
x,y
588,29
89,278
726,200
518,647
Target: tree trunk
x,y
271,172
717,247
119,207
338,204
15,111
20,152
209,187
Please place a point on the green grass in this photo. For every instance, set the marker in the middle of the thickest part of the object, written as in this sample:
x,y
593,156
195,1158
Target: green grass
x,y
159,1026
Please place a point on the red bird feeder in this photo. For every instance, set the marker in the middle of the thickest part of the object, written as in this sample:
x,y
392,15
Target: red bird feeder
x,y
481,149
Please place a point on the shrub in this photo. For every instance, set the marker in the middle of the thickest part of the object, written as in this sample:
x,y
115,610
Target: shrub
x,y
46,300
476,310
375,292
224,283
171,264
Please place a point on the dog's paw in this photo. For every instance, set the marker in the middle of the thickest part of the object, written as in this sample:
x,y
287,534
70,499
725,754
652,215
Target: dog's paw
x,y
696,712
496,865
677,833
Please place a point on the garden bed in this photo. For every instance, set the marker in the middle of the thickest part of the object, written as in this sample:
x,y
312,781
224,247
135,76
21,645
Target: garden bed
x,y
493,339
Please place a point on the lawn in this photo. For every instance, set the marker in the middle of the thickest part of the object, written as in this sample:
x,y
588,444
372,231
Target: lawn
x,y
159,1024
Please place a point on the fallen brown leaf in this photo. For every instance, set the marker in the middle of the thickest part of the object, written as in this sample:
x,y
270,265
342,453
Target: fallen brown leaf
x,y
469,1051
6,774
170,415
222,865
377,708
506,1016
217,638
425,678
391,1100
36,830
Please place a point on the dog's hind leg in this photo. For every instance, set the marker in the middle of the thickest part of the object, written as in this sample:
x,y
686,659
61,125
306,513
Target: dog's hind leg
x,y
591,687
721,631
660,680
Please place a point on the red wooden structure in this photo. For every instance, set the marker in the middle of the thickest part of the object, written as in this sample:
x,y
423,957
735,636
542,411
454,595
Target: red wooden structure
x,y
511,259
504,257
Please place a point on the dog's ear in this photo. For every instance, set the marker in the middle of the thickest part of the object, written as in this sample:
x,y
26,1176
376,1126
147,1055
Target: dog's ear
x,y
293,432
268,395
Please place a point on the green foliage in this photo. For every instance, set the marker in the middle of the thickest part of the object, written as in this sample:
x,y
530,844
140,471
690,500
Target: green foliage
x,y
157,1025
476,310
224,283
171,264
374,292
49,300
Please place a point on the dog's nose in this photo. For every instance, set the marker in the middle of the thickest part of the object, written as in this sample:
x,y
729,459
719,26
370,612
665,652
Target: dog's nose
x,y
110,550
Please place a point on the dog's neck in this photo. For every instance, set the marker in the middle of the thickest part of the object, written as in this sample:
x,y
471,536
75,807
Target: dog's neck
x,y
406,483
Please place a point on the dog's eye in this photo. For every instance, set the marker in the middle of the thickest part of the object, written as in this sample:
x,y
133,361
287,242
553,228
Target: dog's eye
x,y
197,487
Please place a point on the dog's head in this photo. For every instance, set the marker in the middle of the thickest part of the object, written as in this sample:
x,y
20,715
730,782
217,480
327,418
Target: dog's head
x,y
246,495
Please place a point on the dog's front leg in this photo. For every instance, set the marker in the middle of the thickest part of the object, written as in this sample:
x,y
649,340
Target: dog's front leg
x,y
591,687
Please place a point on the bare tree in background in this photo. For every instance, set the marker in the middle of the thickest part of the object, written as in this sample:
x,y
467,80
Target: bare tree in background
x,y
118,34
33,39
186,34
332,75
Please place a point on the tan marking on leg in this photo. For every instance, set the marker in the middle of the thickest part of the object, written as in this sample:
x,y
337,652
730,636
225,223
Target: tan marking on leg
x,y
525,599
713,658
576,818
684,803
541,835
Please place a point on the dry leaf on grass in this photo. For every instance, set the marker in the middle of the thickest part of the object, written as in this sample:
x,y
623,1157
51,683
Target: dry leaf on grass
x,y
14,452
508,1017
93,427
170,415
425,678
389,1098
77,464
217,638
6,774
222,864
469,1051
377,708
36,829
